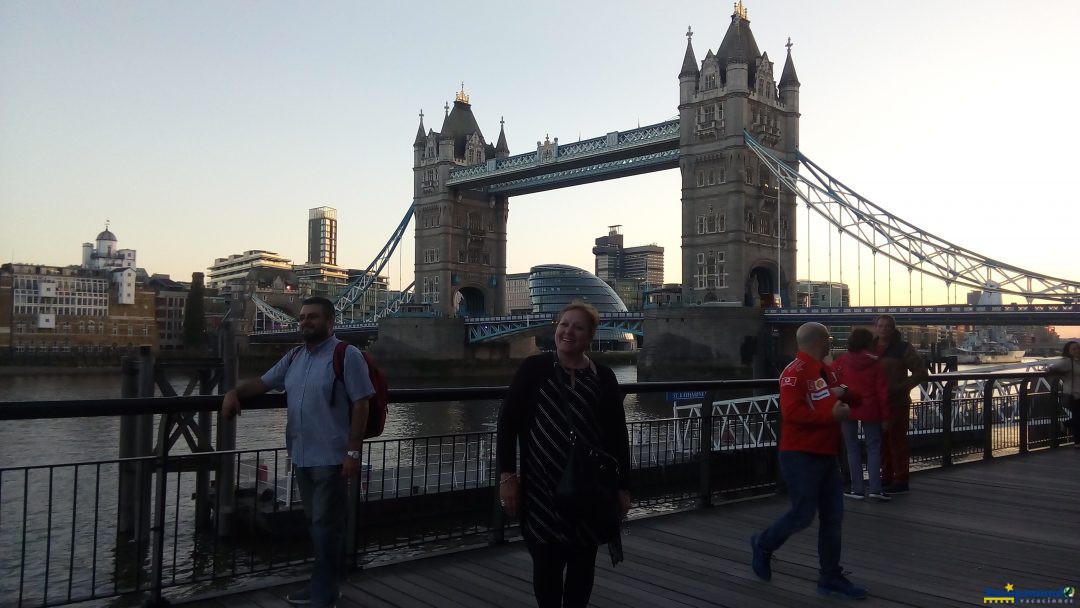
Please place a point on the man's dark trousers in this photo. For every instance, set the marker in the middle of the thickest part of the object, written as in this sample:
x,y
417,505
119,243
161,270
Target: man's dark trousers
x,y
815,486
323,494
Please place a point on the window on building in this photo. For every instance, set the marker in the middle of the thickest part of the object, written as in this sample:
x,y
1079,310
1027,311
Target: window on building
x,y
431,255
710,271
700,178
710,81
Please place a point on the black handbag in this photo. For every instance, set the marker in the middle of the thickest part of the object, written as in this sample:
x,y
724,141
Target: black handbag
x,y
588,490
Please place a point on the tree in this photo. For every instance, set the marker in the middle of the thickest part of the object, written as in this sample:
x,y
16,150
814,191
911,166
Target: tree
x,y
195,314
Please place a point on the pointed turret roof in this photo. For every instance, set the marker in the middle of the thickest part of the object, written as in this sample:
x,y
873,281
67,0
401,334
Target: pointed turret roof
x,y
789,77
421,135
739,44
501,147
689,62
460,124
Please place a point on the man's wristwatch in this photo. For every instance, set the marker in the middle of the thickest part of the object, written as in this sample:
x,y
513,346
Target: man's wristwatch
x,y
354,454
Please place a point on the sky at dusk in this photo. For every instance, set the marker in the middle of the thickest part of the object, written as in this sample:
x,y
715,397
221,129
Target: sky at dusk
x,y
202,129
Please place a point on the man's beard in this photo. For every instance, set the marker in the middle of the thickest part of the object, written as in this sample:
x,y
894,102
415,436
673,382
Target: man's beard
x,y
314,336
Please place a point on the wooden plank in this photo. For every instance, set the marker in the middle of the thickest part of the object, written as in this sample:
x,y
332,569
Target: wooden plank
x,y
958,531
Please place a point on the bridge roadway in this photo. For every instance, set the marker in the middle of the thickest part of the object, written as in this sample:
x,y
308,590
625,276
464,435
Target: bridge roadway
x,y
961,530
949,314
484,329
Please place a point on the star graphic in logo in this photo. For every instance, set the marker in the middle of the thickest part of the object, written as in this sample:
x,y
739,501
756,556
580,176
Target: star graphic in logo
x,y
1009,587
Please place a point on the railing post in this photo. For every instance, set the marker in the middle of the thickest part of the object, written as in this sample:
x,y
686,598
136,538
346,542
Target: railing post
x,y
352,531
498,516
988,418
947,423
1055,419
705,483
158,530
226,434
202,475
1024,403
129,388
144,446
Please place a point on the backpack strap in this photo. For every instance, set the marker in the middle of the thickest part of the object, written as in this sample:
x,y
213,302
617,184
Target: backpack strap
x,y
294,352
339,373
339,361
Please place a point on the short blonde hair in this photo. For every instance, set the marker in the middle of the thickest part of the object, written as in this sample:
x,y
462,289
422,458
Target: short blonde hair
x,y
589,310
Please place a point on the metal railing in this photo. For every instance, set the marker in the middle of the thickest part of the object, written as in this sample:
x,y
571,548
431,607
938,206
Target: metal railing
x,y
64,537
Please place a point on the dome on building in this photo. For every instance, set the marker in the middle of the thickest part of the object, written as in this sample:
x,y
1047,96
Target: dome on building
x,y
553,286
106,235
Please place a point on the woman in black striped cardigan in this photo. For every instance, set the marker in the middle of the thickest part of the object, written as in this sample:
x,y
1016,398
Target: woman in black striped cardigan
x,y
552,394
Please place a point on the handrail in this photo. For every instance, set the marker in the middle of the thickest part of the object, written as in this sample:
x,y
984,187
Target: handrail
x,y
41,410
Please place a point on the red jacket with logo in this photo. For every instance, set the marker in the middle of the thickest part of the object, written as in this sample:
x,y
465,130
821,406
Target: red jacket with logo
x,y
806,405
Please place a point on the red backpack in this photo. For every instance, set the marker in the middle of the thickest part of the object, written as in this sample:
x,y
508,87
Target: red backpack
x,y
377,403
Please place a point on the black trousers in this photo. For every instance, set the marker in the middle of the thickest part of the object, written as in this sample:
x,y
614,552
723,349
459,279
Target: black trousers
x,y
550,563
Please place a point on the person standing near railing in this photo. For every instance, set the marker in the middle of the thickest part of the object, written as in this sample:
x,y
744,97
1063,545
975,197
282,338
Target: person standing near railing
x,y
861,371
324,433
811,411
899,359
554,402
1068,369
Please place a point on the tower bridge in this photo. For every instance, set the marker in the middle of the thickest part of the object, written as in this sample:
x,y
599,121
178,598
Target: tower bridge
x,y
735,142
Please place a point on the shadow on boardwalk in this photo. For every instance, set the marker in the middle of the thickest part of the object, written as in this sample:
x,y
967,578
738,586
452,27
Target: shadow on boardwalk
x,y
1011,520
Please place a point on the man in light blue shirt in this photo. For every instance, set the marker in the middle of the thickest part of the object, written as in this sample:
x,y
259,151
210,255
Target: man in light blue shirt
x,y
324,436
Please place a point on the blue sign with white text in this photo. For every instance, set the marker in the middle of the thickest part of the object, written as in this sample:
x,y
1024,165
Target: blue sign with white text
x,y
685,396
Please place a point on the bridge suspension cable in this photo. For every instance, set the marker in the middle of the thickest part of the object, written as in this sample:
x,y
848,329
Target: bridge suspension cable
x,y
360,285
275,314
405,297
904,242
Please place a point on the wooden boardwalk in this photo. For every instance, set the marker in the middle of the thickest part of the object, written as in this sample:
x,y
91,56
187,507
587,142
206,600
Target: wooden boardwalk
x,y
1012,520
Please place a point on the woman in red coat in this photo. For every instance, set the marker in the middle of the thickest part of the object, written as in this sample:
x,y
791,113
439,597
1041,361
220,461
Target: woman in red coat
x,y
868,396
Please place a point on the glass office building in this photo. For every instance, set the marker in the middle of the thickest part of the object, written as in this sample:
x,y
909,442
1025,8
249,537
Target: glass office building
x,y
553,286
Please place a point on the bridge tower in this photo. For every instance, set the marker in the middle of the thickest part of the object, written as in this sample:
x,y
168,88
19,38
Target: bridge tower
x,y
738,239
460,234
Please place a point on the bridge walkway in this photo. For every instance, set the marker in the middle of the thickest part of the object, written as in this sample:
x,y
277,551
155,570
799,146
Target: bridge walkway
x,y
962,529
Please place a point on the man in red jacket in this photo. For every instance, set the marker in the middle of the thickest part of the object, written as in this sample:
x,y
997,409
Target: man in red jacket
x,y
811,410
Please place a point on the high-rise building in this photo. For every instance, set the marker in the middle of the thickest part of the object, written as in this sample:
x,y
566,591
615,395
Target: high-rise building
x,y
630,271
322,236
238,266
608,252
644,263
517,294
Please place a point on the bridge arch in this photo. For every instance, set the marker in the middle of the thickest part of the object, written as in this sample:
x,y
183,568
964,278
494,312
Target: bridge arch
x,y
469,302
761,286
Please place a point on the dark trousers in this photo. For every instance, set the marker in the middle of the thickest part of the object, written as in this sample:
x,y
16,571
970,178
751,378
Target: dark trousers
x,y
550,561
815,486
323,495
894,448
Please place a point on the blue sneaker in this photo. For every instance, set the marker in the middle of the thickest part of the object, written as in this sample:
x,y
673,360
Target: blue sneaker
x,y
761,561
840,585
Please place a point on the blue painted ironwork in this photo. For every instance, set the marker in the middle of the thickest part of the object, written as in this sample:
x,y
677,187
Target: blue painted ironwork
x,y
904,242
360,285
276,314
406,296
1007,314
656,161
490,329
597,150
